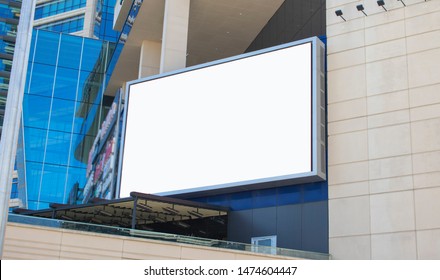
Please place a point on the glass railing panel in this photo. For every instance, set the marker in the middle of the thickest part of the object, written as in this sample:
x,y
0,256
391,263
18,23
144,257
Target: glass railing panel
x,y
165,237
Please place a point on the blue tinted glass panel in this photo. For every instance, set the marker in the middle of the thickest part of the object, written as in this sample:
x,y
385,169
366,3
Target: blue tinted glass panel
x,y
33,45
66,83
57,7
36,111
90,125
35,141
81,147
70,51
90,87
62,115
54,179
42,79
82,126
58,144
69,25
38,13
93,56
14,190
47,48
78,122
28,77
33,177
76,175
103,28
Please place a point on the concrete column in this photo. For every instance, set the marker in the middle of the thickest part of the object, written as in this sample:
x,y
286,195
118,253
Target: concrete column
x,y
89,19
149,63
11,123
175,35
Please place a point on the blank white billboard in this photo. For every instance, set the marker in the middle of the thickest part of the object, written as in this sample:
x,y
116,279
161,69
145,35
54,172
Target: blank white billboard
x,y
232,124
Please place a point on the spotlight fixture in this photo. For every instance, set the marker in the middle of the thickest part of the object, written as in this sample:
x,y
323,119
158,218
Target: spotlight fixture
x,y
339,14
381,3
403,2
361,8
195,214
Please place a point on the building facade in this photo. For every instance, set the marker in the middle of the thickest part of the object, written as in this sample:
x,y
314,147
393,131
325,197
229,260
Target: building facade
x,y
9,17
380,200
63,104
384,128
69,16
66,77
86,18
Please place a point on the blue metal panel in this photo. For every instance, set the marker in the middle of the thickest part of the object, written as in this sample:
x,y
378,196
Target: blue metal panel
x,y
264,198
289,195
315,192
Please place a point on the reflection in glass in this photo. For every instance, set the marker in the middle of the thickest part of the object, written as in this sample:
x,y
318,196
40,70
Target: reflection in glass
x,y
47,48
42,79
70,51
66,83
36,111
62,111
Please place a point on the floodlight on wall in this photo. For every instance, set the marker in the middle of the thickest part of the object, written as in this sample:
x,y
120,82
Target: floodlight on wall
x,y
361,8
403,2
381,3
339,14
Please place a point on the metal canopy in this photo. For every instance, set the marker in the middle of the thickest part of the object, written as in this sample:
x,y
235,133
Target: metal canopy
x,y
153,213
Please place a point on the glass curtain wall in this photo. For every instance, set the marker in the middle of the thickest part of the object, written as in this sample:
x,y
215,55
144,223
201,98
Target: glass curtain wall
x,y
103,28
9,17
62,109
56,7
68,25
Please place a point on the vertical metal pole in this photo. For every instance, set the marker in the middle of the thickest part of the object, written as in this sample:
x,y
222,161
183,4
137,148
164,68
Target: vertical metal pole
x,y
133,219
11,124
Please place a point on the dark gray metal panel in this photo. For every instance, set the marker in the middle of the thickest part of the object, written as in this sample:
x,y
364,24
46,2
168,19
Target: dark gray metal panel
x,y
289,226
240,226
315,226
297,226
294,20
264,222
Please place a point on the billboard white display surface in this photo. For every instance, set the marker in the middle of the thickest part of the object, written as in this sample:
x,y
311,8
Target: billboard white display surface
x,y
232,124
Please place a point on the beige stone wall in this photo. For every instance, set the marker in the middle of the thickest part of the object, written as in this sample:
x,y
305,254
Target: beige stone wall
x,y
384,130
33,242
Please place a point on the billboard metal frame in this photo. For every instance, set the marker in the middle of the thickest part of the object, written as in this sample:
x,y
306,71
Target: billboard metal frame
x,y
318,123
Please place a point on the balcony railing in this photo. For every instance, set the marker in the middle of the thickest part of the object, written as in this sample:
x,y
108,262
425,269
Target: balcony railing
x,y
165,237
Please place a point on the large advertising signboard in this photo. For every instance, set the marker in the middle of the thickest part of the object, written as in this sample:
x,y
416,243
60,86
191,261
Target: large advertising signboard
x,y
246,122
